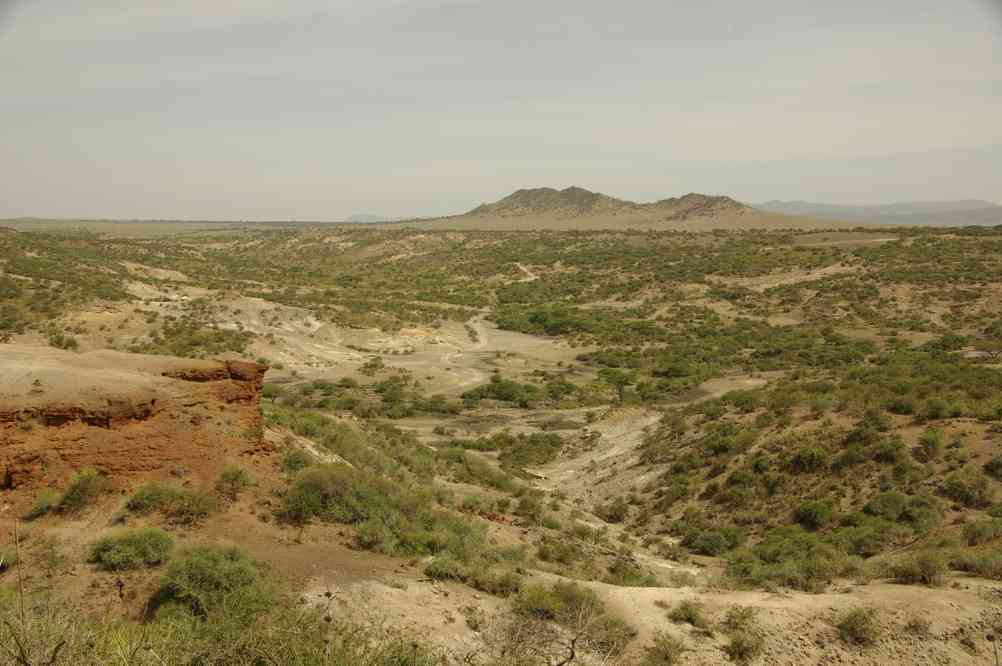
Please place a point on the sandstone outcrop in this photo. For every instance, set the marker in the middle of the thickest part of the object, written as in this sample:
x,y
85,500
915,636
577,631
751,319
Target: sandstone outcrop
x,y
127,415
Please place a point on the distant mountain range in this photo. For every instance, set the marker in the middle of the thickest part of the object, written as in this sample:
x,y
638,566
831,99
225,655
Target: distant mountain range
x,y
944,213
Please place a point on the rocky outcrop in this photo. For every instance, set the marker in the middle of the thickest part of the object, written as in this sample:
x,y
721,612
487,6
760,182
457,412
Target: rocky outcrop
x,y
571,201
577,202
123,414
699,206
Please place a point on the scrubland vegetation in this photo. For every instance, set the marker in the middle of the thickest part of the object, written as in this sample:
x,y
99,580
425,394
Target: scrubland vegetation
x,y
857,437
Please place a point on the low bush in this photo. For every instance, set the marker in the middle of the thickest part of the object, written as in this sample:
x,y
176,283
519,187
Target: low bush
x,y
918,625
739,618
859,626
179,505
389,517
808,460
615,511
625,572
665,651
924,569
982,531
984,563
46,501
713,542
85,486
993,468
233,481
447,567
969,487
689,612
790,557
131,550
744,647
501,583
209,578
295,459
559,550
571,605
813,515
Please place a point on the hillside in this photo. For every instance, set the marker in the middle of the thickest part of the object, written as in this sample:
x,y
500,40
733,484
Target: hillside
x,y
581,209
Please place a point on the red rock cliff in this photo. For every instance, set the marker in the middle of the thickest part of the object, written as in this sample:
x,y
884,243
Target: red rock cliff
x,y
127,415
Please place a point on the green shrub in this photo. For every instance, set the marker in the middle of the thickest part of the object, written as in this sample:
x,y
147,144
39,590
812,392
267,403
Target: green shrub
x,y
615,511
570,604
689,612
46,501
864,535
503,583
808,460
714,542
559,550
789,557
930,445
208,578
539,602
531,508
561,602
529,450
447,567
888,505
131,550
984,563
232,481
744,647
813,515
179,505
627,573
993,468
665,651
982,531
927,568
969,487
85,486
739,618
295,459
390,517
859,626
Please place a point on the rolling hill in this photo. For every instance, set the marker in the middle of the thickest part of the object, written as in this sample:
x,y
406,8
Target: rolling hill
x,y
581,209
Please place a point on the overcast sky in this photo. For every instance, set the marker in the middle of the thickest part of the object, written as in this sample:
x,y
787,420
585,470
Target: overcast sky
x,y
310,110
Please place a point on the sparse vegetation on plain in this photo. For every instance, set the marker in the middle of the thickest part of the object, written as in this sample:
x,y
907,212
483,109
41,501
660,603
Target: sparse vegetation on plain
x,y
536,418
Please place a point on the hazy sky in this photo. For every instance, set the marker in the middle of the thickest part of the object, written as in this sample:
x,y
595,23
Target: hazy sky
x,y
301,109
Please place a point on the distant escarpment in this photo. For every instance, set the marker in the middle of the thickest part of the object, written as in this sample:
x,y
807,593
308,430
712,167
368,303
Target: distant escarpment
x,y
126,415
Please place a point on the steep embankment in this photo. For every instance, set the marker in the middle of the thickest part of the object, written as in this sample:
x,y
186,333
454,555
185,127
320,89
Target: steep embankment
x,y
126,415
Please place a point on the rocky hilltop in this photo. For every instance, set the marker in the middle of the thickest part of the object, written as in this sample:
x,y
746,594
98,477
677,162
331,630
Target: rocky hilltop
x,y
577,202
571,201
126,415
